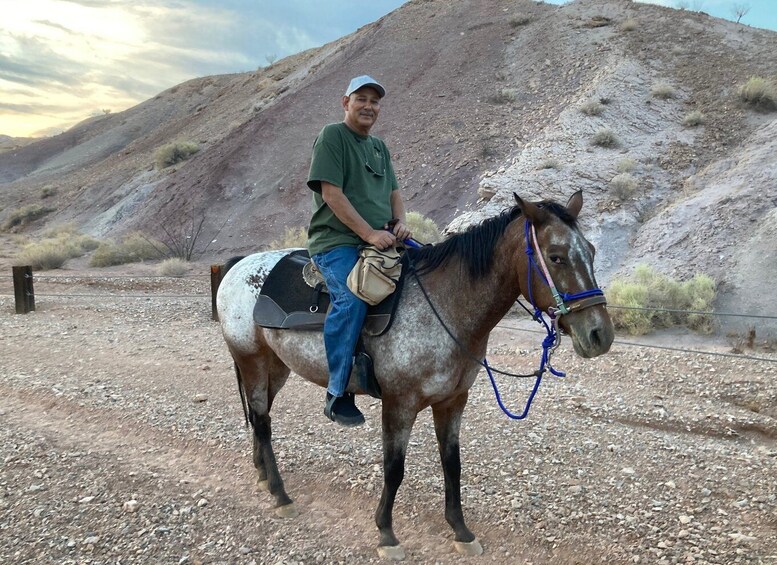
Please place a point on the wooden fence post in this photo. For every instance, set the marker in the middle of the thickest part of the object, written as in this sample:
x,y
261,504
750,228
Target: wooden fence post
x,y
22,289
216,274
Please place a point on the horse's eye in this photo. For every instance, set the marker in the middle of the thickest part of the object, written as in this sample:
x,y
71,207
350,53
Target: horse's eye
x,y
556,259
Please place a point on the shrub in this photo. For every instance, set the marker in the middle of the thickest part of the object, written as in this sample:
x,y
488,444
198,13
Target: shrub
x,y
25,215
134,248
47,191
605,138
141,248
629,25
503,96
174,267
173,153
550,163
592,107
663,91
759,93
424,229
43,255
292,237
695,118
60,245
519,20
623,186
650,290
626,165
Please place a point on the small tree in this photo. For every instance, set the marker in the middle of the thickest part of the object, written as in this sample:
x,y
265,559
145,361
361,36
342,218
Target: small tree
x,y
739,11
271,58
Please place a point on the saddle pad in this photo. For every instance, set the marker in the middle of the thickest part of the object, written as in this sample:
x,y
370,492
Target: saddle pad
x,y
287,302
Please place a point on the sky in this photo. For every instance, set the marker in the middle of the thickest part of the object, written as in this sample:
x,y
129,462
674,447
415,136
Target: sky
x,y
62,61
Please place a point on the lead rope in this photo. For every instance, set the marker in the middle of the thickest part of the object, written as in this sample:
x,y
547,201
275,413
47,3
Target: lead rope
x,y
551,341
549,344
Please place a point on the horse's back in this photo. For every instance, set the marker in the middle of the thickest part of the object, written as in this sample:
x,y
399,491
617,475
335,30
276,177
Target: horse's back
x,y
237,295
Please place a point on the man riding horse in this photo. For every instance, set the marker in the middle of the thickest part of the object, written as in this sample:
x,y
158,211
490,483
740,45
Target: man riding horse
x,y
355,196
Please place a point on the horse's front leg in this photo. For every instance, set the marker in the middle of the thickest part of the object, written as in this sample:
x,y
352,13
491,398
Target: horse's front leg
x,y
397,424
447,423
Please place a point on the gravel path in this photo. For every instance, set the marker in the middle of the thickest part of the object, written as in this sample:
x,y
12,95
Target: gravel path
x,y
122,441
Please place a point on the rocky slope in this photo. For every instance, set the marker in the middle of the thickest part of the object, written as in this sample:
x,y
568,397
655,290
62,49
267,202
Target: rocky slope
x,y
484,99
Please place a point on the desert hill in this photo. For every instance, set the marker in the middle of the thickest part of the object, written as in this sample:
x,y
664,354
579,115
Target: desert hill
x,y
484,99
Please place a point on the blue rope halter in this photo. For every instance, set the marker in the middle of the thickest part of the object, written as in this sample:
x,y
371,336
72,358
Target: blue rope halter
x,y
553,338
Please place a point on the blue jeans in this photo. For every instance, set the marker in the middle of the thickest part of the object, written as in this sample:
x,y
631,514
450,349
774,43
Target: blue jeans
x,y
343,324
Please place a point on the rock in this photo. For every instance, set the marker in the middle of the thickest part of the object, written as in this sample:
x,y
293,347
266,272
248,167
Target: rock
x,y
200,398
131,506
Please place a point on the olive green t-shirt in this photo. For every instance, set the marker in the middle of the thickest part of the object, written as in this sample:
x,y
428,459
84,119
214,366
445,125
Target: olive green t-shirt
x,y
359,165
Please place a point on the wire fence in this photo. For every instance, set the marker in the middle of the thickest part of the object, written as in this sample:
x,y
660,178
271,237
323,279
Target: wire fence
x,y
124,295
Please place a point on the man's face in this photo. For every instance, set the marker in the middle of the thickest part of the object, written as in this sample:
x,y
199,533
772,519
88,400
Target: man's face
x,y
361,109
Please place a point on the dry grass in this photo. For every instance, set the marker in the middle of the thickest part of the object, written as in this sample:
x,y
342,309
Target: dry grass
x,y
550,163
623,186
134,248
650,291
663,91
424,229
605,138
292,237
172,153
25,215
519,20
503,96
695,118
626,165
629,25
174,267
57,246
592,107
759,93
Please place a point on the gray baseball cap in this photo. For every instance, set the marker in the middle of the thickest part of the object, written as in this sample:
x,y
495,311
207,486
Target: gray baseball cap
x,y
365,80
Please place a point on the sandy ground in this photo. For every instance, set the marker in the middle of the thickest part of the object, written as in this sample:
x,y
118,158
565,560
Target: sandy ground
x,y
640,456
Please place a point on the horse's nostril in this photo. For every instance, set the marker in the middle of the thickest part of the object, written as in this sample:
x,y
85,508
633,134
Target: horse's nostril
x,y
596,337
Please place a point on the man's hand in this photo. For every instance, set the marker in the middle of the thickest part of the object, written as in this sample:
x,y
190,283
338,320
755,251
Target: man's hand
x,y
381,239
401,230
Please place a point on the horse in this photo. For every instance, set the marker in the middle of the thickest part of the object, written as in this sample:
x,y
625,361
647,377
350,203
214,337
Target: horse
x,y
467,282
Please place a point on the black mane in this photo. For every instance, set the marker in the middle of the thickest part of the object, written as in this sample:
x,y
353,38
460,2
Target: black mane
x,y
476,245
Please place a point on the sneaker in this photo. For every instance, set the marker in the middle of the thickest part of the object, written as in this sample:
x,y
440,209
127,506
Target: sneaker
x,y
343,410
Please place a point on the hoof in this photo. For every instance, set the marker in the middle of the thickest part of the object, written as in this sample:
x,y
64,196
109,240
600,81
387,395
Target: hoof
x,y
469,548
263,485
287,511
393,552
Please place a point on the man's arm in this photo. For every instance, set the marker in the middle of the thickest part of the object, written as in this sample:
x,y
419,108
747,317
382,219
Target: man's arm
x,y
398,211
346,213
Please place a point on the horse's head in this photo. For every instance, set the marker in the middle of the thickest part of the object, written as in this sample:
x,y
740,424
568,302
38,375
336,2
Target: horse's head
x,y
562,260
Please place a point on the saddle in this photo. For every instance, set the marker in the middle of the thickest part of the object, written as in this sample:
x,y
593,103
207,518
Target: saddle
x,y
288,301
293,297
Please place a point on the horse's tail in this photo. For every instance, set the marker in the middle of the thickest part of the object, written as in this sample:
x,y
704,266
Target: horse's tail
x,y
231,262
241,389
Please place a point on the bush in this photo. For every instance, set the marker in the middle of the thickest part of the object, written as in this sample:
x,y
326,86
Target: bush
x,y
695,118
605,138
759,93
519,20
25,215
174,267
47,191
134,248
550,163
626,165
623,186
629,25
292,237
60,245
651,290
503,96
424,229
663,91
173,153
592,107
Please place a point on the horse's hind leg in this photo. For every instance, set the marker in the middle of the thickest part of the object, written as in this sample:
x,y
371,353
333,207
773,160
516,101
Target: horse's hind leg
x,y
262,376
447,423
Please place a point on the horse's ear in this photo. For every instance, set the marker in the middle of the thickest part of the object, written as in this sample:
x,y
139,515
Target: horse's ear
x,y
532,212
575,203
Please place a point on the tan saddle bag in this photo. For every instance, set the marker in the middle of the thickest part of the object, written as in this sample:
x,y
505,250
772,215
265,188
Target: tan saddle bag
x,y
376,273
